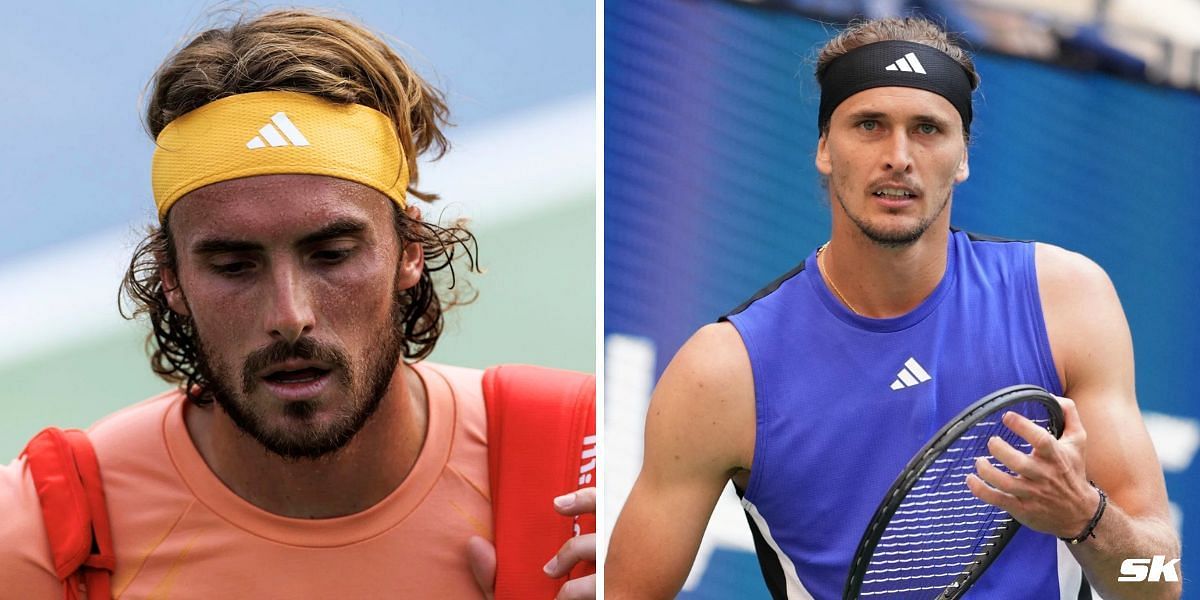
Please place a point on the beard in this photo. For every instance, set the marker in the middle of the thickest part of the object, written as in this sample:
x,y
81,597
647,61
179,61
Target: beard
x,y
365,385
895,237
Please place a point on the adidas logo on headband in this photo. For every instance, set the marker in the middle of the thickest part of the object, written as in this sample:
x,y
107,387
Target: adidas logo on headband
x,y
907,63
290,134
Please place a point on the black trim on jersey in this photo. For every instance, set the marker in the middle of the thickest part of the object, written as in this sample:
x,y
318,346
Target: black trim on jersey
x,y
768,560
979,237
774,285
1085,588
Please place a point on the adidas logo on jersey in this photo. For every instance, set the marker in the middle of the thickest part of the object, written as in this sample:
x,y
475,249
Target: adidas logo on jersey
x,y
912,374
279,132
907,63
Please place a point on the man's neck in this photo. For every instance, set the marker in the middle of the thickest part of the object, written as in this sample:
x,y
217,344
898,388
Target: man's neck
x,y
351,480
879,281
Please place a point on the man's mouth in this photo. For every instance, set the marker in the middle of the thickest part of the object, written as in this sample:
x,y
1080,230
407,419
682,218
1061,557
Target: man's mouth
x,y
297,376
296,380
894,193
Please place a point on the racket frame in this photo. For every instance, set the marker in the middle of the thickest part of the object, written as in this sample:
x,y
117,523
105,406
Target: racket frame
x,y
987,406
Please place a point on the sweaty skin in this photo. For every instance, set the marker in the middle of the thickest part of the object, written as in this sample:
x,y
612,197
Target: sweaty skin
x,y
249,278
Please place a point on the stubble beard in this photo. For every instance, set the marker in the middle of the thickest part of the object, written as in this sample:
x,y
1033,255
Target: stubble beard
x,y
366,387
894,238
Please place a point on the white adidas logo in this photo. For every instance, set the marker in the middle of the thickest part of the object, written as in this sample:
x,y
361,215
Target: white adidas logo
x,y
912,374
273,135
907,63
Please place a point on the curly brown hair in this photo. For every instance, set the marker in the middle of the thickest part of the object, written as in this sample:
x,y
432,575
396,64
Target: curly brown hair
x,y
331,58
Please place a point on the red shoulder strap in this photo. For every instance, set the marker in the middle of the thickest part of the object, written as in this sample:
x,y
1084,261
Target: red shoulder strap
x,y
541,444
66,474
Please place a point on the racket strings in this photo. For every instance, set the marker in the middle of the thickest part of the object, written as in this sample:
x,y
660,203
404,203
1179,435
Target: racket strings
x,y
941,532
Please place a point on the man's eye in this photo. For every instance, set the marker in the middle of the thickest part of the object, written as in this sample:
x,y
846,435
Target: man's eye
x,y
331,256
232,268
927,128
869,125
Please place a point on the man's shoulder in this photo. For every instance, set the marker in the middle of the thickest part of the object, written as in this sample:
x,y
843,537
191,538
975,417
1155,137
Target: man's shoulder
x,y
1070,283
26,566
771,290
464,385
470,379
456,376
137,423
123,441
1058,266
713,364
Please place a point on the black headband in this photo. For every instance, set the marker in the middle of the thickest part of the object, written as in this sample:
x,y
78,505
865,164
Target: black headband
x,y
894,63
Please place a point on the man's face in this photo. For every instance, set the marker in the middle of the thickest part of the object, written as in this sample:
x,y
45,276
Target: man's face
x,y
291,281
892,156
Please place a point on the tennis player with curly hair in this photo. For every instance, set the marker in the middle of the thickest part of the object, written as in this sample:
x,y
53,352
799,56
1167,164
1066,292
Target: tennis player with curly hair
x,y
308,450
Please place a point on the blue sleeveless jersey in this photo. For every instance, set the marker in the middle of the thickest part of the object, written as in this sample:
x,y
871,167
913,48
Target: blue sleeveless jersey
x,y
844,401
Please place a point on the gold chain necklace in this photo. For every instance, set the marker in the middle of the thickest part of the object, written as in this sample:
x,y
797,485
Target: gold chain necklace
x,y
829,278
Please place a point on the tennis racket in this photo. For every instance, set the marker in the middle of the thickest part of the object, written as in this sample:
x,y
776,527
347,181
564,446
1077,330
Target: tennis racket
x,y
931,537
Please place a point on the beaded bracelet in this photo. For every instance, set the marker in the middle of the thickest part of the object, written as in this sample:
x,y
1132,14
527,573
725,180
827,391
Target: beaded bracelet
x,y
1089,531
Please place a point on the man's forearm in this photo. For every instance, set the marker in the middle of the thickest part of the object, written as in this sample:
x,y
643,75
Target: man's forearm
x,y
1120,537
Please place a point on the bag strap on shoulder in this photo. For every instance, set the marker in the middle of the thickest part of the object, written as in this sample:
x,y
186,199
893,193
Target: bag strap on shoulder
x,y
541,444
66,475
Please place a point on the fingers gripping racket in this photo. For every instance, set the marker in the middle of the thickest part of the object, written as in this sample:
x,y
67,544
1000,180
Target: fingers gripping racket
x,y
931,537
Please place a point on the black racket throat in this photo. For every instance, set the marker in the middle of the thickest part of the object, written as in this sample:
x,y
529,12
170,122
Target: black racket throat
x,y
943,538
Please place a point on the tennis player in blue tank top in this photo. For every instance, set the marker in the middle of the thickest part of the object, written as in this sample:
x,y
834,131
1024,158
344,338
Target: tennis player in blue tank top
x,y
813,395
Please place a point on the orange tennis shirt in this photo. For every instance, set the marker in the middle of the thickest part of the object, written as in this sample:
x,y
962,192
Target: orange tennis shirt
x,y
179,533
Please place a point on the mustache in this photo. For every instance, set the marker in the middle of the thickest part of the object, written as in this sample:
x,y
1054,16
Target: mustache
x,y
896,182
304,348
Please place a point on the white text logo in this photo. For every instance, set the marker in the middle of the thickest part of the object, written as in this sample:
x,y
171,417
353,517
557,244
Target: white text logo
x,y
1135,569
587,469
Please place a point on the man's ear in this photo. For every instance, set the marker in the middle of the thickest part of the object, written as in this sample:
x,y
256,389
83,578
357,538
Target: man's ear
x,y
964,169
412,257
170,282
824,166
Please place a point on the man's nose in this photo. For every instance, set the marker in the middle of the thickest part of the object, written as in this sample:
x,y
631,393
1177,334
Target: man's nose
x,y
898,157
289,305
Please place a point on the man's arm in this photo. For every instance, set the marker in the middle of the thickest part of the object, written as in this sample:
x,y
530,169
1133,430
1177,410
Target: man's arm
x,y
1104,439
26,566
700,431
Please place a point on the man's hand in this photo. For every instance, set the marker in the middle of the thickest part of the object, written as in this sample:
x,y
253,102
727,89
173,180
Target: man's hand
x,y
481,554
1050,491
577,549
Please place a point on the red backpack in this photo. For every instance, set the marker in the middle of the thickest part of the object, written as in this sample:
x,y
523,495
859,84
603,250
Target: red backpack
x,y
541,444
67,477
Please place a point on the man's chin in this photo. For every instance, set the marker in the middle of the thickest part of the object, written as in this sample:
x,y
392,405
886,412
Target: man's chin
x,y
894,235
297,439
293,430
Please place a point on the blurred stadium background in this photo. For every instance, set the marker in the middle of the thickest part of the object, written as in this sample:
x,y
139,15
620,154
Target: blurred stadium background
x,y
1087,127
75,191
